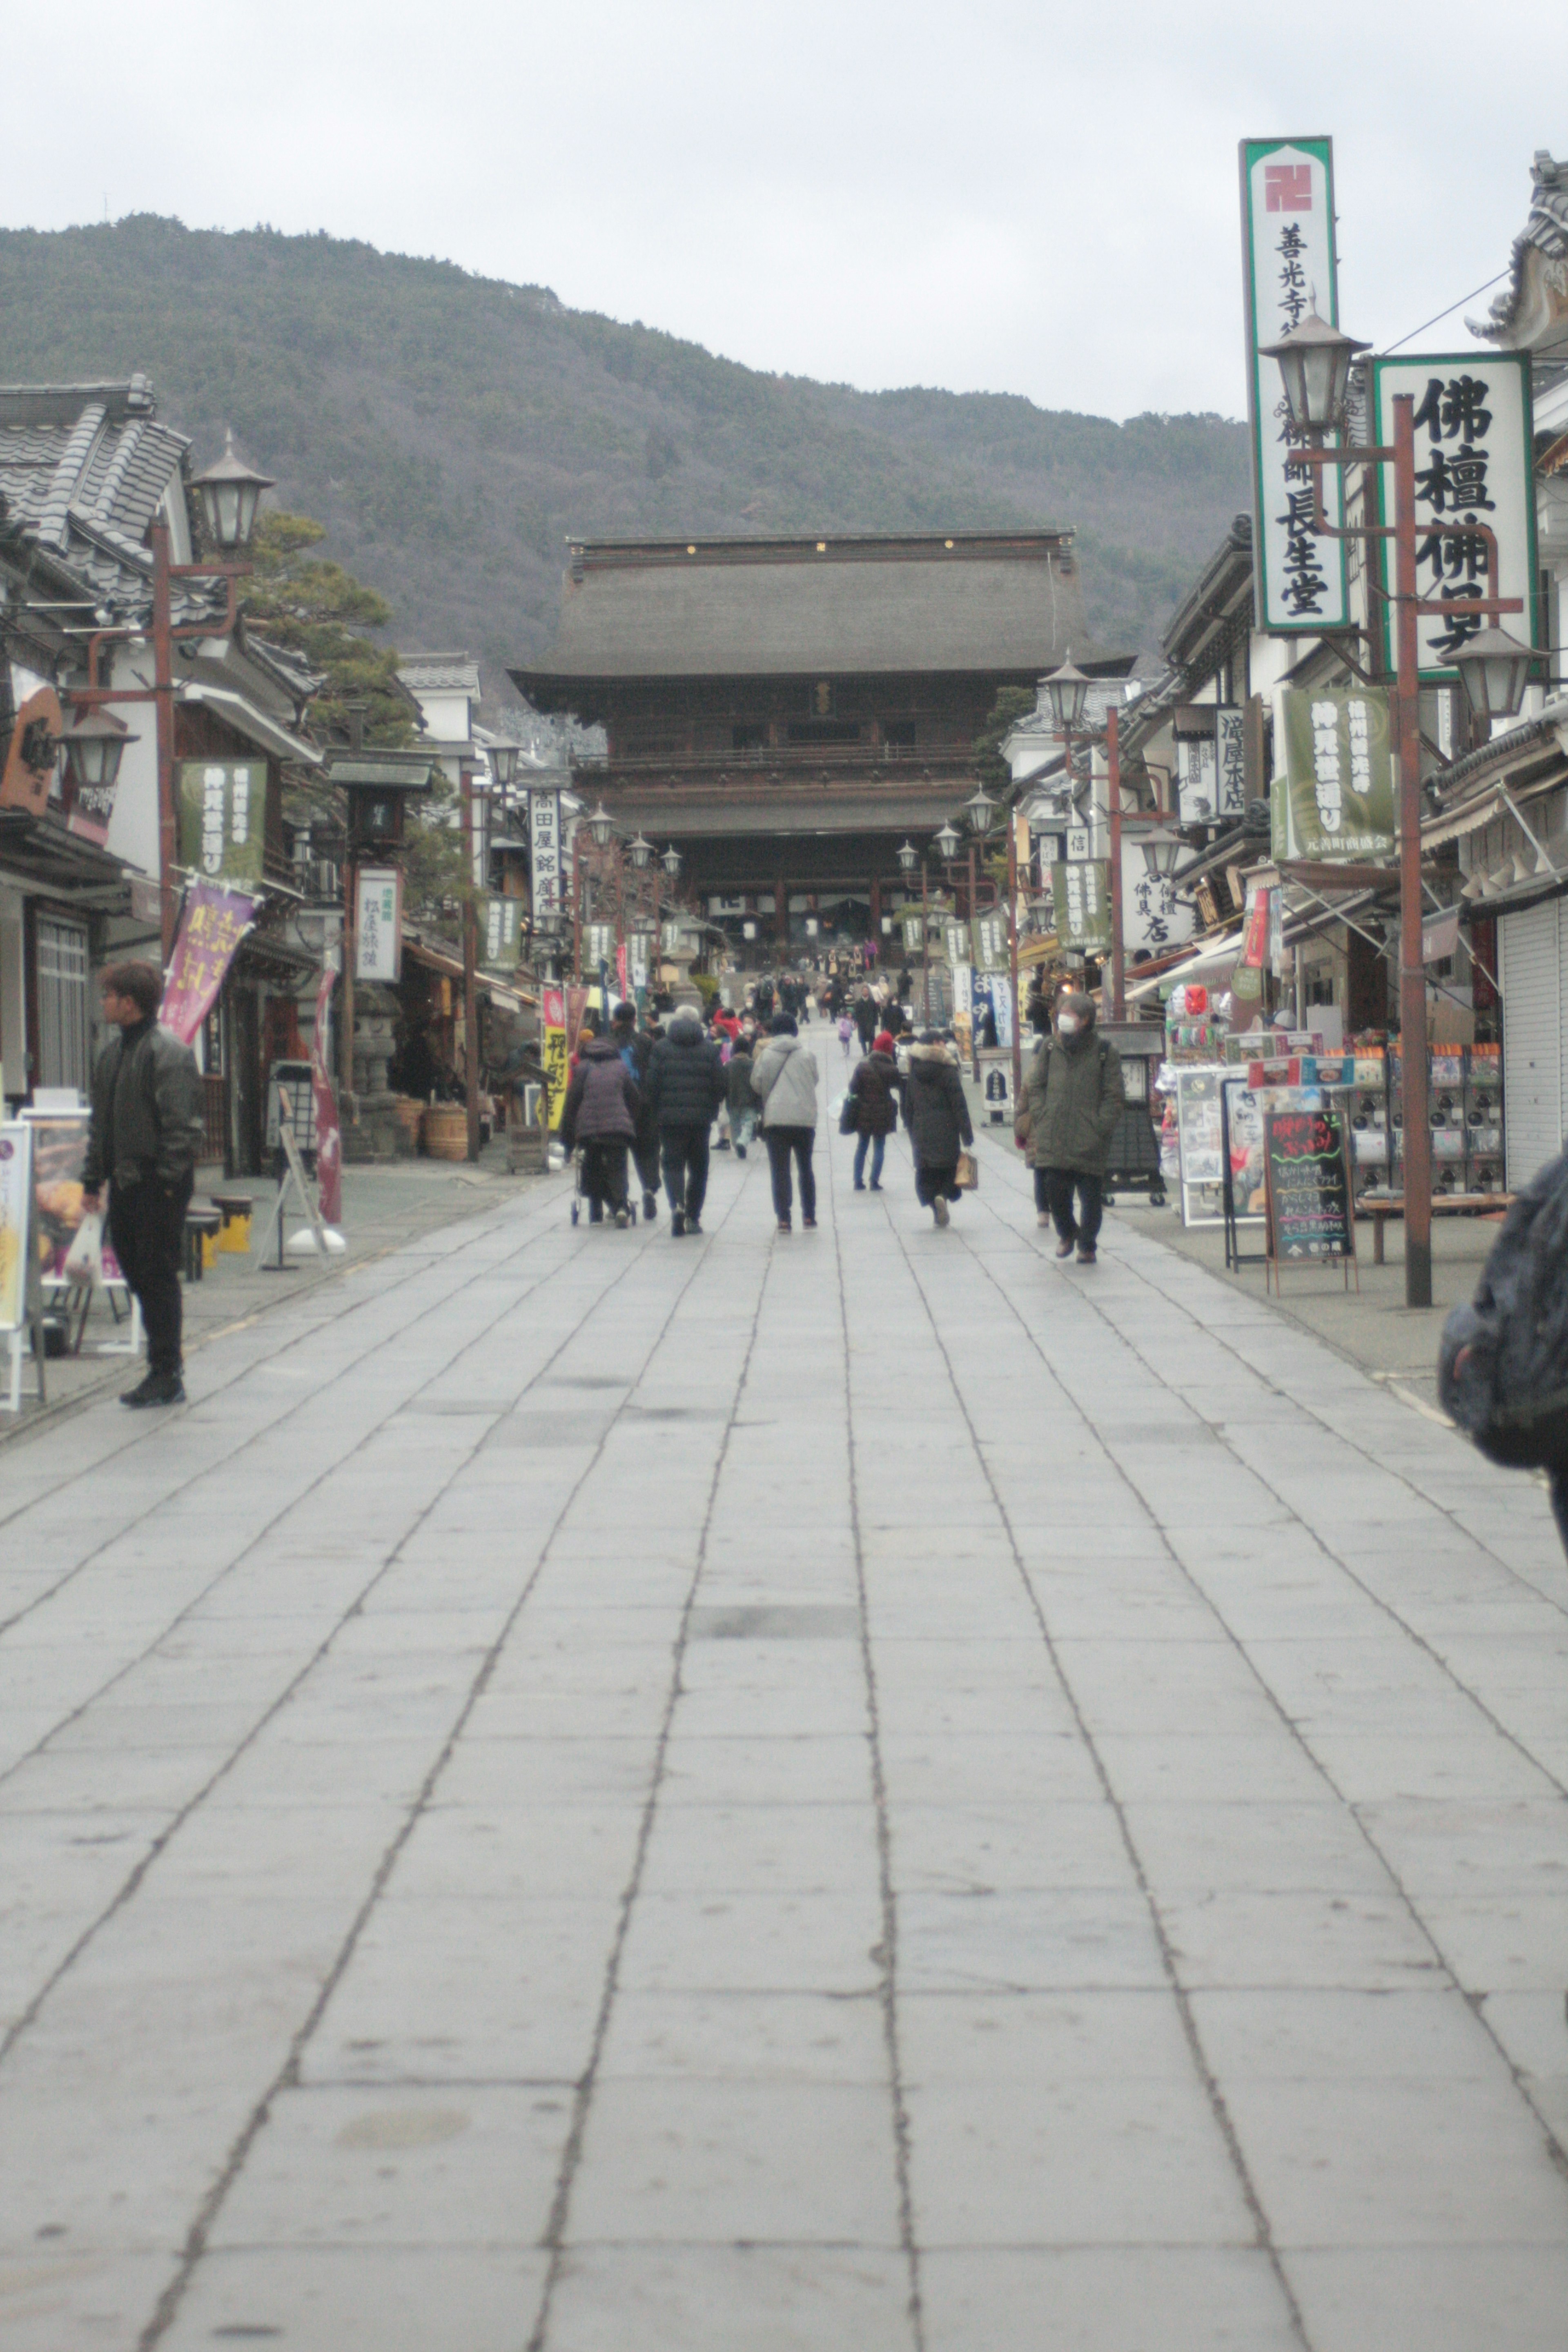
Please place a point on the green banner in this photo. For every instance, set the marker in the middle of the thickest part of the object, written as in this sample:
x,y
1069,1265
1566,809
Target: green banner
x,y
499,932
914,934
988,934
1081,893
223,818
1338,776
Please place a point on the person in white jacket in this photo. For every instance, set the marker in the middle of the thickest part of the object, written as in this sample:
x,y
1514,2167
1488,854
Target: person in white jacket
x,y
784,1079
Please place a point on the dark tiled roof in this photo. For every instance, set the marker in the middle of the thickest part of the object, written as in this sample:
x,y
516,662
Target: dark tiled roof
x,y
83,469
977,600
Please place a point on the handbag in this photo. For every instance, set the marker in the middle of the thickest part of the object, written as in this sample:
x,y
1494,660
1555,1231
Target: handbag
x,y
848,1115
966,1175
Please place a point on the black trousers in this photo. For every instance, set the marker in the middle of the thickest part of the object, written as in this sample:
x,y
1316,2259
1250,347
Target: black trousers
x,y
1060,1184
931,1181
146,1232
645,1152
784,1142
685,1151
605,1172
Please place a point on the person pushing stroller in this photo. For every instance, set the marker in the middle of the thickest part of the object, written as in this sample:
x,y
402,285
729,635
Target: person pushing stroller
x,y
603,1105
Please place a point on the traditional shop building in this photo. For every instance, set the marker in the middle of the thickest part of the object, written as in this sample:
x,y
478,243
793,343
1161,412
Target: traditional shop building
x,y
785,711
85,471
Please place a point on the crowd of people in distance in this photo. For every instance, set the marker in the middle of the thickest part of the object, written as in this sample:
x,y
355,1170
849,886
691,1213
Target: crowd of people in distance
x,y
652,1094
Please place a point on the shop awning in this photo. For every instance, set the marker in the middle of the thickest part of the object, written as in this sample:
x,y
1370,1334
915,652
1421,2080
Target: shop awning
x,y
1215,959
1457,822
443,961
242,715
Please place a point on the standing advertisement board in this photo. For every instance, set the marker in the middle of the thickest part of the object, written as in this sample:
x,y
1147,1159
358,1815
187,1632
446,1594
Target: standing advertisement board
x,y
15,1222
1300,587
1473,464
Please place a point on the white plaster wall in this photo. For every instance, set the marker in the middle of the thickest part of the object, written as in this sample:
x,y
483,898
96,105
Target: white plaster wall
x,y
133,827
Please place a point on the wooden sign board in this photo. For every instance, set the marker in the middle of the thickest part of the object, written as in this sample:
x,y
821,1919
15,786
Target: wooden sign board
x,y
1307,1181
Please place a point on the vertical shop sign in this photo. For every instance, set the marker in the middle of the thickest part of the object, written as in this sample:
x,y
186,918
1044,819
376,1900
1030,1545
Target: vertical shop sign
x,y
544,854
989,936
1081,896
378,923
1299,583
1230,759
1339,773
553,1054
223,818
1197,779
1473,464
501,933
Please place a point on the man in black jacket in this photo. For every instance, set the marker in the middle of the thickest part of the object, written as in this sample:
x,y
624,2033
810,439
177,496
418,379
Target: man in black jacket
x,y
145,1132
685,1085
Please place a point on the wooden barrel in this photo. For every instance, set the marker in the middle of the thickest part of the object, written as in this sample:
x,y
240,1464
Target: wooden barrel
x,y
409,1113
445,1127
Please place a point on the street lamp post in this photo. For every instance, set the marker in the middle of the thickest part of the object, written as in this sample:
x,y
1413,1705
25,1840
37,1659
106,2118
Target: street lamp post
x,y
1315,361
228,493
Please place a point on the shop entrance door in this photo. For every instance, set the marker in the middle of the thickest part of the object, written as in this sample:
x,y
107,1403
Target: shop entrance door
x,y
1530,952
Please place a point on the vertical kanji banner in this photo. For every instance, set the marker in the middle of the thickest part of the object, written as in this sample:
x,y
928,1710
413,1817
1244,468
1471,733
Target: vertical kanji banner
x,y
1474,463
328,1135
211,929
1339,773
223,818
1299,583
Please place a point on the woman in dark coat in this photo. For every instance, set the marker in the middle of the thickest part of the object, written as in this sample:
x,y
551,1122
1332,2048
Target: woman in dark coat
x,y
600,1116
874,1090
937,1116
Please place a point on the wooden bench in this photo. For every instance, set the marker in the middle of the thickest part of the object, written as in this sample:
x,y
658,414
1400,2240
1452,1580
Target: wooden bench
x,y
1381,1206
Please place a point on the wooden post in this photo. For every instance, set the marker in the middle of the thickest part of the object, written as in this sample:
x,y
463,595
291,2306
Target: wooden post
x,y
163,706
1412,970
470,950
1114,793
346,1041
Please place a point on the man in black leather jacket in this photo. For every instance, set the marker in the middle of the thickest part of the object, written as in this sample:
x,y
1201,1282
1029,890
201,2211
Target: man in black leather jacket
x,y
146,1131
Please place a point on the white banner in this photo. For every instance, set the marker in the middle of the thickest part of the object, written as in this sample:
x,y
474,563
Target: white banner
x,y
1299,585
1473,464
544,853
378,923
1197,779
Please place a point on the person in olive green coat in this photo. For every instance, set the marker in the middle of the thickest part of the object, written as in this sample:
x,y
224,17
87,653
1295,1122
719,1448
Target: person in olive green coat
x,y
1073,1100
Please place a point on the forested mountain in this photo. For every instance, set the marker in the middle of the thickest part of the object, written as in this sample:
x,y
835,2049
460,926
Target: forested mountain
x,y
452,431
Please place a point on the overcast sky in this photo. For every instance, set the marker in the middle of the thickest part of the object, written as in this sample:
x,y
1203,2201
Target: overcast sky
x,y
1003,196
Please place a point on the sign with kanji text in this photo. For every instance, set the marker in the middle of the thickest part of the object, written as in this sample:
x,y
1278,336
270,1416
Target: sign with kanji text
x,y
914,934
1153,919
501,933
211,929
1077,845
544,853
1081,893
1338,797
378,924
1197,779
1473,464
1289,268
599,943
989,934
223,818
1230,761
553,1054
957,945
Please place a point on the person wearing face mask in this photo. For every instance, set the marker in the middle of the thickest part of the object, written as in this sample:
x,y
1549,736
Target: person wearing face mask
x,y
1073,1101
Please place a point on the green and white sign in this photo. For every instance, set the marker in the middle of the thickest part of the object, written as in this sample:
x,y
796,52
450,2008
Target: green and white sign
x,y
223,818
1474,463
989,934
1289,267
1336,797
914,934
1081,893
501,933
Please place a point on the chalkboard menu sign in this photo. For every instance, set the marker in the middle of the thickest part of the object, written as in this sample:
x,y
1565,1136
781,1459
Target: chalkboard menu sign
x,y
1307,1174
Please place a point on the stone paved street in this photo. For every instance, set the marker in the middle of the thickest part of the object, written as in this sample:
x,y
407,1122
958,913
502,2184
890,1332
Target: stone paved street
x,y
851,1791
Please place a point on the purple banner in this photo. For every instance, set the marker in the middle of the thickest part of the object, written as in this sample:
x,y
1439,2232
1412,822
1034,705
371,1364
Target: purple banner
x,y
211,926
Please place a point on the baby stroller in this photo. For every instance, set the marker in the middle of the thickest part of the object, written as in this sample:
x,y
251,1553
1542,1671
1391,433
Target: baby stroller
x,y
582,1190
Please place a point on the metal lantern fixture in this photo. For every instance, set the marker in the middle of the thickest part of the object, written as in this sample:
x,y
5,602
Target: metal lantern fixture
x,y
503,764
94,744
1495,670
230,493
1066,688
670,861
639,851
980,810
909,856
602,825
1162,850
947,843
1315,362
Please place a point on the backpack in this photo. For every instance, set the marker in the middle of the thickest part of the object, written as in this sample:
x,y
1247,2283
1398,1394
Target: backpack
x,y
1502,1365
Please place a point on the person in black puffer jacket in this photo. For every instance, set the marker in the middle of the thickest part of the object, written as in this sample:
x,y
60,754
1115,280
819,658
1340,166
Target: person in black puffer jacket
x,y
937,1117
600,1116
685,1085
